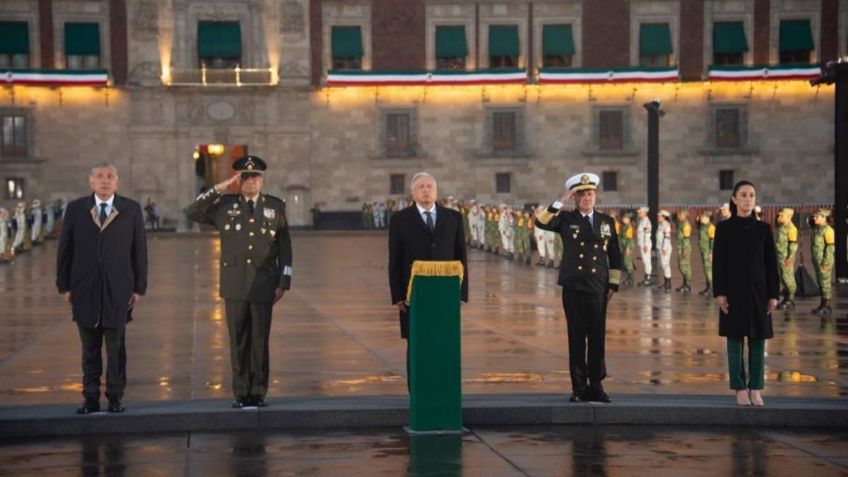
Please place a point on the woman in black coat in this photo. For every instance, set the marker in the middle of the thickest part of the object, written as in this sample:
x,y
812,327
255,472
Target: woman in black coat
x,y
746,287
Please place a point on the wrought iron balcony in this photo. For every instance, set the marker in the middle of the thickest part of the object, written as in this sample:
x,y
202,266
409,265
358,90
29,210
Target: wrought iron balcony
x,y
220,77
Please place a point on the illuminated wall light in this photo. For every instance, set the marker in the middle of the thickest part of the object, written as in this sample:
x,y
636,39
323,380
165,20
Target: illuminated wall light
x,y
215,149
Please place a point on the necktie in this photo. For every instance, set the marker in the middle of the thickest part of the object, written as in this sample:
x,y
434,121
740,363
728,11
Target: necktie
x,y
103,213
588,219
430,225
250,207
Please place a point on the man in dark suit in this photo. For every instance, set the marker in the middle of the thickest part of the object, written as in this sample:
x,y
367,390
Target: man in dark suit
x,y
256,270
423,231
102,272
589,275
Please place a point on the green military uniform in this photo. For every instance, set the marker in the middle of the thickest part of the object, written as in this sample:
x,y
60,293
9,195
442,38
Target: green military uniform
x,y
627,242
706,235
492,235
684,250
824,248
786,245
367,217
523,230
256,259
466,224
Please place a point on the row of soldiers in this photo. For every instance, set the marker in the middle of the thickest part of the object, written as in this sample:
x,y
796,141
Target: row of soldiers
x,y
375,215
510,232
26,227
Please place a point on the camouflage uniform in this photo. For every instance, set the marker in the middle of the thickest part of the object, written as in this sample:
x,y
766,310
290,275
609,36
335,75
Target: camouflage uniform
x,y
824,247
684,250
706,235
786,245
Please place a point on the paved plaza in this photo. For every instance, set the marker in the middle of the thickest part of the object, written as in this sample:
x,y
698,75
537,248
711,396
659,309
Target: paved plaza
x,y
335,333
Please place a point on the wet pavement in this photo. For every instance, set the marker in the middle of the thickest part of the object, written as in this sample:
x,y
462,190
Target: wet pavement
x,y
335,333
485,451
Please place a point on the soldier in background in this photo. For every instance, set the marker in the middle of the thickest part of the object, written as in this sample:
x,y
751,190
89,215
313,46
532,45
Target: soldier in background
x,y
36,220
723,213
19,225
367,217
506,229
706,235
541,243
643,241
523,231
664,247
5,242
684,250
473,219
626,240
256,270
786,246
823,248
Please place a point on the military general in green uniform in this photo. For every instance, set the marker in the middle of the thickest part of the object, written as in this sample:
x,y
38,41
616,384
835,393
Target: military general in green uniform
x,y
256,270
786,245
706,236
684,250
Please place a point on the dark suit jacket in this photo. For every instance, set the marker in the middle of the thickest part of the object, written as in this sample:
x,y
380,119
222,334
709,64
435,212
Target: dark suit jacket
x,y
745,271
102,266
409,240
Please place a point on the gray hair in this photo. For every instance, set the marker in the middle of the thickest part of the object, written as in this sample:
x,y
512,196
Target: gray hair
x,y
102,165
419,175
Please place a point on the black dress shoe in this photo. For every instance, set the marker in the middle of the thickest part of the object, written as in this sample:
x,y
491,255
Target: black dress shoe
x,y
577,397
597,395
239,403
259,401
116,406
88,407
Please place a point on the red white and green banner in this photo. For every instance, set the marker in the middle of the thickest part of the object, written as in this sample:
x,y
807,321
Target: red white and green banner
x,y
754,73
616,75
426,78
54,77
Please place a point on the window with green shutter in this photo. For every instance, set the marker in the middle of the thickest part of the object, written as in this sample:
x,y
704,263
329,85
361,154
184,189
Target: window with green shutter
x,y
451,48
557,46
729,43
219,44
503,46
655,45
796,41
14,45
82,45
347,48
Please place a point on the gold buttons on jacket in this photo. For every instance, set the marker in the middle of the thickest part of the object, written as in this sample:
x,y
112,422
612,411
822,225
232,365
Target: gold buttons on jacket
x,y
593,270
250,247
579,267
581,255
582,243
248,260
251,234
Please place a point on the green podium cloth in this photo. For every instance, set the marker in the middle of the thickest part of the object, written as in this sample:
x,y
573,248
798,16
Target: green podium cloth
x,y
435,359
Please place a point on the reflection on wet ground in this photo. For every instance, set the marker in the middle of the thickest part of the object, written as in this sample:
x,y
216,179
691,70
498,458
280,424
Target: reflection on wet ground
x,y
489,452
336,334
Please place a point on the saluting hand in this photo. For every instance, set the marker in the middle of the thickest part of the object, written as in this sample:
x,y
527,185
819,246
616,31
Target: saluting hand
x,y
566,196
222,187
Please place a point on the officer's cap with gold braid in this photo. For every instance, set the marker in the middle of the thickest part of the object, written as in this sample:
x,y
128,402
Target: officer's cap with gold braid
x,y
582,181
250,165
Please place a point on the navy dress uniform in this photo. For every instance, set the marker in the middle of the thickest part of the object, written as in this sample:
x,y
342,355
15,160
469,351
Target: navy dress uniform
x,y
256,259
590,267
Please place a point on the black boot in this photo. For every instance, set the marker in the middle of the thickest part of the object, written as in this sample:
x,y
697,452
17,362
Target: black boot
x,y
685,289
667,284
820,309
826,310
788,303
646,282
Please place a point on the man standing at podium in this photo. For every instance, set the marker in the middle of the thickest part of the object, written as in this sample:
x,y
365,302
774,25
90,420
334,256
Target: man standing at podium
x,y
423,231
589,275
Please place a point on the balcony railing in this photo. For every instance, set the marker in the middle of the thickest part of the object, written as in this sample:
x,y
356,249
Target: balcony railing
x,y
220,77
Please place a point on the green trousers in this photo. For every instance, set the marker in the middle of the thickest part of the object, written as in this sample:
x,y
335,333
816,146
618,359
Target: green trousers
x,y
756,363
787,278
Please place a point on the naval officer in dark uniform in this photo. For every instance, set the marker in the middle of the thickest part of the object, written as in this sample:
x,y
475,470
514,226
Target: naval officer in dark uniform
x,y
256,270
589,275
